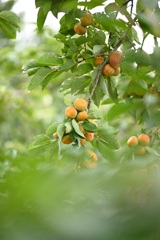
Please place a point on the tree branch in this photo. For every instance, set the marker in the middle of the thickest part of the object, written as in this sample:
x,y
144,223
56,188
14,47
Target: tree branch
x,y
96,82
101,67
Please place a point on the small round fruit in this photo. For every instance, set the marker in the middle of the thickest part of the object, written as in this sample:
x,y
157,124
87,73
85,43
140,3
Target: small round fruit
x,y
66,139
144,139
81,116
82,141
89,136
117,71
71,112
55,135
132,141
140,150
108,70
87,19
80,104
98,60
92,155
79,29
115,57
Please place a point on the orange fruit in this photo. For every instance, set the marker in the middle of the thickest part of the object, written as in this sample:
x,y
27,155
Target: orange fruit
x,y
108,70
55,135
79,29
115,57
87,19
132,141
144,139
80,104
81,116
98,60
71,112
89,136
66,139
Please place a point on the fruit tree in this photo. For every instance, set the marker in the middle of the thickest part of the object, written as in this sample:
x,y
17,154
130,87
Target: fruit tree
x,y
92,169
111,76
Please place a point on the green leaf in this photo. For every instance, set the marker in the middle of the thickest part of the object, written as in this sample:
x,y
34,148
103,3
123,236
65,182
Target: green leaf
x,y
41,77
68,127
88,126
78,84
152,151
60,130
50,59
51,150
110,24
69,63
118,109
109,139
39,141
149,16
77,129
84,68
106,152
41,17
99,38
42,13
63,6
91,4
98,96
52,128
38,3
111,9
9,23
31,67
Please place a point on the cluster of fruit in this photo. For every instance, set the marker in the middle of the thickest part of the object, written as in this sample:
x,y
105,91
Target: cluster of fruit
x,y
81,27
79,130
139,143
113,67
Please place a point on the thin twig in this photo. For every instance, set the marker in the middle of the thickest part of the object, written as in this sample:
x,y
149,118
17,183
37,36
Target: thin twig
x,y
96,82
131,7
155,41
123,38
